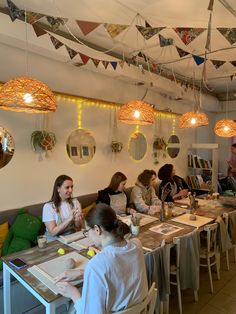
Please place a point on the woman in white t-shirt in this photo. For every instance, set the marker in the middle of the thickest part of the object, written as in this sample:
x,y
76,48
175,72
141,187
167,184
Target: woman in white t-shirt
x,y
62,214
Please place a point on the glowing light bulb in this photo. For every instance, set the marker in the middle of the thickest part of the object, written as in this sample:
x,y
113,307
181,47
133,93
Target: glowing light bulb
x,y
136,114
28,98
193,121
226,128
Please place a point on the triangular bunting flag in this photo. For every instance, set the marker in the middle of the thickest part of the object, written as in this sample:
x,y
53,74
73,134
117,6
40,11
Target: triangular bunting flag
x,y
165,41
56,43
105,64
96,62
122,63
188,34
217,63
181,52
114,29
56,22
14,11
84,58
233,63
198,60
147,24
72,53
33,17
149,32
38,30
113,64
87,27
229,34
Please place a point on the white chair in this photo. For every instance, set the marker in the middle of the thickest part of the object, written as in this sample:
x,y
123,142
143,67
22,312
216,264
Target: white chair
x,y
175,269
209,251
145,307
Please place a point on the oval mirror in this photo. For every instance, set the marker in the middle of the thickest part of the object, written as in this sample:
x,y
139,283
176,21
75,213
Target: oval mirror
x,y
173,146
81,146
7,147
137,146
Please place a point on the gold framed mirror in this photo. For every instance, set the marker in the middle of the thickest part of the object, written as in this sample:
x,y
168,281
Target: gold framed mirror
x,y
137,146
173,146
7,147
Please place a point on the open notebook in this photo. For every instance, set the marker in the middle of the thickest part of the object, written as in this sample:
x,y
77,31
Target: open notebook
x,y
71,237
47,271
81,244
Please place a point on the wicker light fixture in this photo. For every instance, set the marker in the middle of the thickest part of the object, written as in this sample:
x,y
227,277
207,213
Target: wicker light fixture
x,y
136,112
193,119
24,94
225,128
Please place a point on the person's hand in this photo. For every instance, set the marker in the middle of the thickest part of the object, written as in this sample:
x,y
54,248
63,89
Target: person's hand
x,y
69,291
183,193
153,210
131,211
78,215
70,275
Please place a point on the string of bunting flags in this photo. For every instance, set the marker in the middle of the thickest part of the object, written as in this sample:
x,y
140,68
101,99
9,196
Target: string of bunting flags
x,y
187,35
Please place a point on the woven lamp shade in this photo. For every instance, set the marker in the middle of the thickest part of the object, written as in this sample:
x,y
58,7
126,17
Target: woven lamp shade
x,y
193,119
136,112
24,94
225,128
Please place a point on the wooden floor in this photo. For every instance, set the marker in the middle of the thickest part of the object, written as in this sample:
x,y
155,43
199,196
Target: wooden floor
x,y
223,301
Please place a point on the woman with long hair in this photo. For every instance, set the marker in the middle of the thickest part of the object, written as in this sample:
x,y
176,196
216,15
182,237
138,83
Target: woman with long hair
x,y
62,214
115,278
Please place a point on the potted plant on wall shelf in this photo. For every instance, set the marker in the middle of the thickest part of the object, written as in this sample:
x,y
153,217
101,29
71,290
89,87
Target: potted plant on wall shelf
x,y
43,140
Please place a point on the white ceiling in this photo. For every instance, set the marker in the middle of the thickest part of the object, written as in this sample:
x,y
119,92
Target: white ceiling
x,y
125,46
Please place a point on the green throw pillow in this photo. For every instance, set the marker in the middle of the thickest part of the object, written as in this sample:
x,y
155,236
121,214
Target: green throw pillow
x,y
6,243
26,226
18,244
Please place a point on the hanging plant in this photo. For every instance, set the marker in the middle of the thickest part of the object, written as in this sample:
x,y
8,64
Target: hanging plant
x,y
43,140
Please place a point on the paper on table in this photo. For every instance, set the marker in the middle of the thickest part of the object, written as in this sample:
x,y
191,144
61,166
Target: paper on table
x,y
81,244
47,271
145,219
71,237
165,229
199,222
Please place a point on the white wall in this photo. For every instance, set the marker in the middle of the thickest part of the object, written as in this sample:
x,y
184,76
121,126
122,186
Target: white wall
x,y
28,179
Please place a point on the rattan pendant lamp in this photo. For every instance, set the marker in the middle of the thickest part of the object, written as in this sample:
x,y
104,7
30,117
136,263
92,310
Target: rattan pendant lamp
x,y
25,94
225,127
195,118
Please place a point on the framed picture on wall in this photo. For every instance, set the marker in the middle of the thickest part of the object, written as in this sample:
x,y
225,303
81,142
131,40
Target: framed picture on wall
x,y
74,151
85,151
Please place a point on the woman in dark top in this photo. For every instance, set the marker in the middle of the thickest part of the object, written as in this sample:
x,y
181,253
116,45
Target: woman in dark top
x,y
115,196
172,186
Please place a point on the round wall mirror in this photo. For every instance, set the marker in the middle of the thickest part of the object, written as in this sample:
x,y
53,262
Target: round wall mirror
x,y
7,147
137,146
81,146
173,146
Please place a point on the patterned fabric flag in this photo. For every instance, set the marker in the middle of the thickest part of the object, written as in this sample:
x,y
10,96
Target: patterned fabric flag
x,y
198,60
181,52
87,27
56,22
113,64
38,30
56,43
229,34
149,32
165,41
95,62
217,63
114,29
84,58
33,17
72,53
14,11
105,64
188,34
233,63
122,63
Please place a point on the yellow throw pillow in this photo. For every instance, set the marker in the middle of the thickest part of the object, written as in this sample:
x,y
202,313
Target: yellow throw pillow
x,y
85,210
3,233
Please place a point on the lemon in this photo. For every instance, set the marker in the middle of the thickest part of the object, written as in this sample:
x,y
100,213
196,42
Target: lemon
x,y
91,253
61,251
